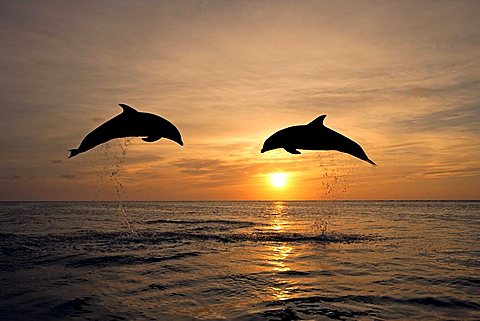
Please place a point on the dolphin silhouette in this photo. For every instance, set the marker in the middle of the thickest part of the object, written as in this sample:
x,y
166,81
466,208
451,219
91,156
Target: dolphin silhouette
x,y
130,123
313,136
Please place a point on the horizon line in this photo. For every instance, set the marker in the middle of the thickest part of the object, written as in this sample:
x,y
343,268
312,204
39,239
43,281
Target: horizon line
x,y
247,200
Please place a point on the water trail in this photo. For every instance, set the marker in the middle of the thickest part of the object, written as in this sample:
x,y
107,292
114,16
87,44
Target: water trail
x,y
334,185
335,178
119,188
114,155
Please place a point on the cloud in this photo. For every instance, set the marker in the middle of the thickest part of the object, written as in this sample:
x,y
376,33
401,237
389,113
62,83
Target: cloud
x,y
401,78
68,176
211,172
464,118
97,119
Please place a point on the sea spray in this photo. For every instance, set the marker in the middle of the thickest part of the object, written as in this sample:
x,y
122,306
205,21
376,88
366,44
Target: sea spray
x,y
104,176
321,226
335,177
114,155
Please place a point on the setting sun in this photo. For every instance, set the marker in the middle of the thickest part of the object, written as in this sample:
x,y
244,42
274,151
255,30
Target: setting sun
x,y
279,179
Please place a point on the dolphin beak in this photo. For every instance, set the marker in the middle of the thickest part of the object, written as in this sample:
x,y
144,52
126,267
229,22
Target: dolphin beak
x,y
180,143
263,150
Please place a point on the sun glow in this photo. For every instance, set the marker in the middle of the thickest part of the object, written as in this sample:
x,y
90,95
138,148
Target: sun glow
x,y
279,180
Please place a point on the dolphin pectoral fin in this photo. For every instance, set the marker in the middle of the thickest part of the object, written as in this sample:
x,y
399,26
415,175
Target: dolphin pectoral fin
x,y
291,150
151,139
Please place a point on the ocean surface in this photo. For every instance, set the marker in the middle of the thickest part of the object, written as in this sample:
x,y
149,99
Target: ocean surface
x,y
240,260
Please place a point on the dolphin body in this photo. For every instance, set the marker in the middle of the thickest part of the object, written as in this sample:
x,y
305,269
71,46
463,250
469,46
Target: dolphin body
x,y
130,123
314,136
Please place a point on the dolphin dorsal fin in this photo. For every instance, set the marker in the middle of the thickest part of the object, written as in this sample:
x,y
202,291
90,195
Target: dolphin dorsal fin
x,y
128,109
317,121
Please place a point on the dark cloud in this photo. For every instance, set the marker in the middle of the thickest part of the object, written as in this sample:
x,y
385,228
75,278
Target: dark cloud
x,y
68,176
198,164
97,119
464,172
464,118
212,170
221,172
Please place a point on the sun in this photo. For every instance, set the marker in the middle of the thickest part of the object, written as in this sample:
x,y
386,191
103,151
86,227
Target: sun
x,y
279,180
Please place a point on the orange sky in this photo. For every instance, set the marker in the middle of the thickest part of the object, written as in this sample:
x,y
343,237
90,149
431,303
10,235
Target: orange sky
x,y
401,78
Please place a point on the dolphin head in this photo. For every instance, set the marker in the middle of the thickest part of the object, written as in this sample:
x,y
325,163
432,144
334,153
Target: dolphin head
x,y
171,132
158,127
350,147
272,142
358,152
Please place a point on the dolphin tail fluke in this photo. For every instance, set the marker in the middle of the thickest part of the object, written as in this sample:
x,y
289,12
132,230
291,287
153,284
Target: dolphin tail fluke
x,y
73,152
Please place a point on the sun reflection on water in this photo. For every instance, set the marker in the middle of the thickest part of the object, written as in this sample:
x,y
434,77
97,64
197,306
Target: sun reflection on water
x,y
279,257
279,254
279,222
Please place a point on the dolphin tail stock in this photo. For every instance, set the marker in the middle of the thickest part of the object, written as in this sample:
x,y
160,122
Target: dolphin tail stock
x,y
73,152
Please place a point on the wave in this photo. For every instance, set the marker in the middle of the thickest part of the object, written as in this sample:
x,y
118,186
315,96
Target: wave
x,y
215,222
458,280
29,242
342,307
26,251
441,302
111,260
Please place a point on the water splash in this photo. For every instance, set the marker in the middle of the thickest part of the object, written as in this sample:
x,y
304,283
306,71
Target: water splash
x,y
114,155
335,178
321,226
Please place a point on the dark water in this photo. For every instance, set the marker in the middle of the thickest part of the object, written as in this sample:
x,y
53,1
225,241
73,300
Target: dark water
x,y
240,261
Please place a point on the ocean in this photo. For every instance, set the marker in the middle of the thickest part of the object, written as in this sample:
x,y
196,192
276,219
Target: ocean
x,y
285,260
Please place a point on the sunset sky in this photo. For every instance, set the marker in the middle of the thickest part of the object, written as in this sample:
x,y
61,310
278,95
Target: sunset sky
x,y
401,78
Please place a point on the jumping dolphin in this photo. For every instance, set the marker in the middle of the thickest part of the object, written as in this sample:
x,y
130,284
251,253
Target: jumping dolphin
x,y
313,136
130,123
